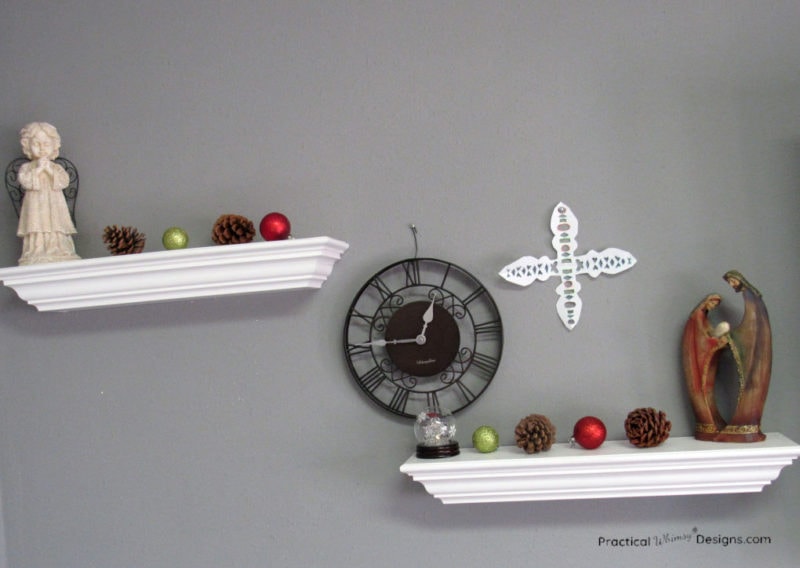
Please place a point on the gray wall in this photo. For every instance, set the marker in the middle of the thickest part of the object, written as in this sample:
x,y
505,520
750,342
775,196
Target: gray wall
x,y
227,432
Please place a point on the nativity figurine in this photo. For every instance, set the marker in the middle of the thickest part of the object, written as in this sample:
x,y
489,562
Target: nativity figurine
x,y
750,346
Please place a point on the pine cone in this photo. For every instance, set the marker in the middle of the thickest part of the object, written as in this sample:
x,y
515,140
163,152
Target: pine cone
x,y
232,230
647,427
123,240
535,433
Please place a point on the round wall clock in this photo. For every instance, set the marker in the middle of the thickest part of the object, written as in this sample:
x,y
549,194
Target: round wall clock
x,y
423,332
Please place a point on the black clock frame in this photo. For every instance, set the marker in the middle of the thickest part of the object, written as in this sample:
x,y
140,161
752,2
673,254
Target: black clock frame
x,y
456,294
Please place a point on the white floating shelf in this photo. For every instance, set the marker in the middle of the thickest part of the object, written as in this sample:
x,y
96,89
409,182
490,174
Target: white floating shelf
x,y
175,274
679,466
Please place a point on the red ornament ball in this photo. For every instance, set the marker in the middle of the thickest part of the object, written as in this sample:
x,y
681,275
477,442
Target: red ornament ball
x,y
275,227
589,432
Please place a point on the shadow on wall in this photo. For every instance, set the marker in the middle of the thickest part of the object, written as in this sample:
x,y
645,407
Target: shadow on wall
x,y
411,503
25,319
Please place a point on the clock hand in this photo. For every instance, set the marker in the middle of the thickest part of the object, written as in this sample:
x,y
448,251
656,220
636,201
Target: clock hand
x,y
427,318
384,342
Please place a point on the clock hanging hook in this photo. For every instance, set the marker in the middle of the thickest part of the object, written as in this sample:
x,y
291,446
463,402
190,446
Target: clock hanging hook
x,y
413,228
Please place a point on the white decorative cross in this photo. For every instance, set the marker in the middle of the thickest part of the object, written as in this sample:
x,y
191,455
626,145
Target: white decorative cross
x,y
529,269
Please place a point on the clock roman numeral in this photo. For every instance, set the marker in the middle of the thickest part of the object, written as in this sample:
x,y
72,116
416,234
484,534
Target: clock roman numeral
x,y
445,275
478,292
372,379
367,319
354,350
488,328
485,363
399,400
411,269
465,392
432,399
381,287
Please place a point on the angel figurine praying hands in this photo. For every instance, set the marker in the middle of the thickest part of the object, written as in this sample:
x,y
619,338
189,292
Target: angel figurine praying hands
x,y
45,224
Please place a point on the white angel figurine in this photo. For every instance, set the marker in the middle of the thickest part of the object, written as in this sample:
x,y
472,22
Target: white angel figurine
x,y
45,224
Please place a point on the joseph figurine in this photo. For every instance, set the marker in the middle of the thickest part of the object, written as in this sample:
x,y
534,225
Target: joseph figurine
x,y
751,345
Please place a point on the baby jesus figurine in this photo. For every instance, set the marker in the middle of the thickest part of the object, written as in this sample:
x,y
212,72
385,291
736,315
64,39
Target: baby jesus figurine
x,y
45,224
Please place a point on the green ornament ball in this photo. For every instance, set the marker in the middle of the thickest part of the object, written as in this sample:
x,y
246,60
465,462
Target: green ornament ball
x,y
485,439
175,238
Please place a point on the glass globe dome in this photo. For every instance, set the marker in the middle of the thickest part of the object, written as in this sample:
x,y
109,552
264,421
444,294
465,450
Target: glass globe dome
x,y
435,430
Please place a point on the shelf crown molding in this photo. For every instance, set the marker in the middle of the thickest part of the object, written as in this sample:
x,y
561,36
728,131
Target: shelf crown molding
x,y
176,274
679,466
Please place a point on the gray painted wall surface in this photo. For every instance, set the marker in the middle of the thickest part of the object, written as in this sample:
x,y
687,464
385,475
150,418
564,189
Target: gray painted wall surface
x,y
227,432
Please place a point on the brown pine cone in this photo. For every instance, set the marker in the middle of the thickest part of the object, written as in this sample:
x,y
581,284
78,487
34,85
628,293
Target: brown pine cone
x,y
232,230
535,433
647,427
123,240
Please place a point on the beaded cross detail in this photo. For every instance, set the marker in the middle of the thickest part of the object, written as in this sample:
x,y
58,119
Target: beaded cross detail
x,y
567,265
